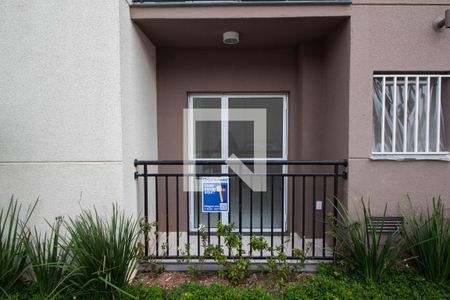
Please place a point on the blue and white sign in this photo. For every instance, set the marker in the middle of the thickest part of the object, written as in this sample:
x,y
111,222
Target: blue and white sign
x,y
215,194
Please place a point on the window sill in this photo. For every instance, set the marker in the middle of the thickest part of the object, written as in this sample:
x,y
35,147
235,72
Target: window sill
x,y
444,156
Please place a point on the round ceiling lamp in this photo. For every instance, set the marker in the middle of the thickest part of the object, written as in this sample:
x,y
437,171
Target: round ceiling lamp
x,y
231,37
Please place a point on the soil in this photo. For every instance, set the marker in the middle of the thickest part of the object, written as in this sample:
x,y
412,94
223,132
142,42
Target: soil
x,y
169,280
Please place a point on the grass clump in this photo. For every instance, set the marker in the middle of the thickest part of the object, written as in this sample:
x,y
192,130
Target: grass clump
x,y
362,247
333,282
48,256
103,250
14,238
427,238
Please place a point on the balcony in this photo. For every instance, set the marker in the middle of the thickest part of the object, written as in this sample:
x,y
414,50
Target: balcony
x,y
291,214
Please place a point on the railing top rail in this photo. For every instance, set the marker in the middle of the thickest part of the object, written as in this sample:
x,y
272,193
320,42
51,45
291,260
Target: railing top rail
x,y
246,161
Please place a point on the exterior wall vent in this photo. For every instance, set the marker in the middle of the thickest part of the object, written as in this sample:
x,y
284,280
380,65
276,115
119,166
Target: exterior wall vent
x,y
386,224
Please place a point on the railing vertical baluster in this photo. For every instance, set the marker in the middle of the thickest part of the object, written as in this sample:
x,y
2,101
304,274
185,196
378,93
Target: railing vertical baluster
x,y
383,114
282,212
416,114
405,116
314,217
261,217
438,125
156,217
293,216
271,217
146,209
394,117
167,216
251,217
335,202
427,122
178,215
303,210
219,217
188,223
240,213
324,214
229,222
209,229
198,223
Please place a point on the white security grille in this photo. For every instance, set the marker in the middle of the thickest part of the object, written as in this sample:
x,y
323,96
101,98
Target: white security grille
x,y
407,114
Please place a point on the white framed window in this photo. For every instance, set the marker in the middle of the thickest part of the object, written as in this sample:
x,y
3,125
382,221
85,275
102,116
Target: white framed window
x,y
217,140
408,116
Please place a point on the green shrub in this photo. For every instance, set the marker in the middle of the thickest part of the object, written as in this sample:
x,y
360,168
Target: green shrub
x,y
236,268
278,265
428,241
103,250
362,247
330,282
14,238
49,258
195,291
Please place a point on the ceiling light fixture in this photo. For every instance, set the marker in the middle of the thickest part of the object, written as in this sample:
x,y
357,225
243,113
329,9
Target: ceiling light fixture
x,y
231,37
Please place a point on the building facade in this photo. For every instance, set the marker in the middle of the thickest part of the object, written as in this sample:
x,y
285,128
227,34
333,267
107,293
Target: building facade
x,y
87,87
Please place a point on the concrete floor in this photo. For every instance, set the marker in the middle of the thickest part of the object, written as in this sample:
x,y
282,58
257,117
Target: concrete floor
x,y
320,249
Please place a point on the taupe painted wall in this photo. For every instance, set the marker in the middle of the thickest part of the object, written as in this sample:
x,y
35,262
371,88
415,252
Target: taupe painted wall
x,y
315,74
392,38
180,71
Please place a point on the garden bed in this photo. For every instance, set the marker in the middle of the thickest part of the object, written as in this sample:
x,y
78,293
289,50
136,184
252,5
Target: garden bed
x,y
170,280
330,282
100,255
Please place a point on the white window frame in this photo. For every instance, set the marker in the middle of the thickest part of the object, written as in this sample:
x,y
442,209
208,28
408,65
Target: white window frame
x,y
416,154
224,97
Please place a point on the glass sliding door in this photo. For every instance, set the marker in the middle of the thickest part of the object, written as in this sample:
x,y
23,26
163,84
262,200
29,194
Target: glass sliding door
x,y
221,139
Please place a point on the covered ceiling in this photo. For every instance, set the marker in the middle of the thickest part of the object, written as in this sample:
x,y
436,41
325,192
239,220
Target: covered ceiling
x,y
254,32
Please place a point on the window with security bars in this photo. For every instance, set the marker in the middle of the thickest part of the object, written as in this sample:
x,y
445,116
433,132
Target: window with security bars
x,y
408,115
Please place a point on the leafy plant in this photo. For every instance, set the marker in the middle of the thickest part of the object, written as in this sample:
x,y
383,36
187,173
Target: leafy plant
x,y
49,262
282,269
332,282
196,270
237,267
14,238
362,247
427,238
104,250
279,265
150,230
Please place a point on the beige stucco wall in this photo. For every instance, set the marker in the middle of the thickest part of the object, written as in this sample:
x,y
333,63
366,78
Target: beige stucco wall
x,y
138,104
392,38
76,105
60,129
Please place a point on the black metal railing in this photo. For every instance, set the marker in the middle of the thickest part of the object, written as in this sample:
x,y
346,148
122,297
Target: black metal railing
x,y
292,213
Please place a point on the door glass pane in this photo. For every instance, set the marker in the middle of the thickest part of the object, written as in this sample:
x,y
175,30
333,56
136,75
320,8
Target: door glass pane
x,y
207,133
251,203
241,138
208,144
241,142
